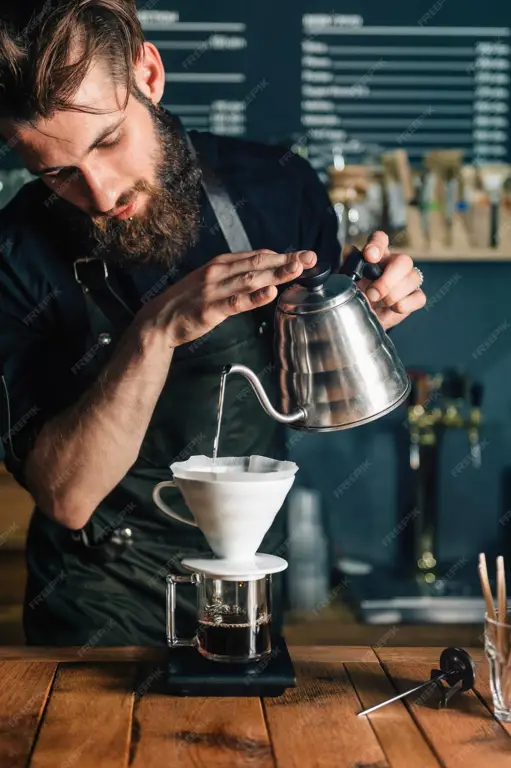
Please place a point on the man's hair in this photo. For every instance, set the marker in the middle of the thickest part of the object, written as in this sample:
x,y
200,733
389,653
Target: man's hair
x,y
47,47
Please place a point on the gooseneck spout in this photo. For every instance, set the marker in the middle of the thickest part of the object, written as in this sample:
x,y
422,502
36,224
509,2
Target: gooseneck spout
x,y
258,388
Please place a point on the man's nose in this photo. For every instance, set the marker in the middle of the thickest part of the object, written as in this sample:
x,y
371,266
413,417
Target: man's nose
x,y
102,187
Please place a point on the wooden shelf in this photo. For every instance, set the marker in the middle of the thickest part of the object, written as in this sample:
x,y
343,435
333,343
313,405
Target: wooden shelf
x,y
472,255
337,625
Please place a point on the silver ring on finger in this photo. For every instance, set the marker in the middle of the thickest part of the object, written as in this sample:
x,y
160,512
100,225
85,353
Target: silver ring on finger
x,y
421,276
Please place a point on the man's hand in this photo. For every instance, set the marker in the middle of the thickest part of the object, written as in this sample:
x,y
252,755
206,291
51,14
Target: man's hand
x,y
396,294
227,285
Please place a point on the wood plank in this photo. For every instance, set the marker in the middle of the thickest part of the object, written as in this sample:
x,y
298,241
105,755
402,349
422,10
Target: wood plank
x,y
87,722
332,654
422,655
337,624
24,692
316,725
160,653
464,734
212,731
76,653
395,728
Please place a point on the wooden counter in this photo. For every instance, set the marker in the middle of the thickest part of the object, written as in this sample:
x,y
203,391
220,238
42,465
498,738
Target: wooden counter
x,y
63,708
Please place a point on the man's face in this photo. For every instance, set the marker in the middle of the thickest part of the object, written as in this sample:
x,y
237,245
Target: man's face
x,y
101,163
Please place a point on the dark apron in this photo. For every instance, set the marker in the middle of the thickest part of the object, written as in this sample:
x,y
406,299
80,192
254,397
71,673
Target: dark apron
x,y
105,585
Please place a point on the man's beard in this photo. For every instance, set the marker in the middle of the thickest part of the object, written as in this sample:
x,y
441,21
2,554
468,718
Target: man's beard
x,y
170,222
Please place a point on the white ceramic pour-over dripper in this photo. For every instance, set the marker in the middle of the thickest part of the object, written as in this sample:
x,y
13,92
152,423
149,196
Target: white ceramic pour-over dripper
x,y
233,501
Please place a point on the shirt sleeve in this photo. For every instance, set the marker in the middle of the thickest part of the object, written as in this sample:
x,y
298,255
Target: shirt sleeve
x,y
29,371
21,410
318,219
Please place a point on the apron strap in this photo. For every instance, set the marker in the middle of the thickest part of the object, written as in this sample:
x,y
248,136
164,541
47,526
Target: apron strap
x,y
227,216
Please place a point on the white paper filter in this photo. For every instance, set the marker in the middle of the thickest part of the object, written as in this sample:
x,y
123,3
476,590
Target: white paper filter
x,y
233,469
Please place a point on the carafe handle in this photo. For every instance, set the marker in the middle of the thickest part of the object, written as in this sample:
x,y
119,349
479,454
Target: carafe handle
x,y
173,641
164,508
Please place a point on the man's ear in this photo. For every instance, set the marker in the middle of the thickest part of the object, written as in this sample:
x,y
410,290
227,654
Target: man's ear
x,y
149,73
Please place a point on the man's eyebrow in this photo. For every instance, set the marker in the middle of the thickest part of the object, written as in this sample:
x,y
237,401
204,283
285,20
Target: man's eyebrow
x,y
102,136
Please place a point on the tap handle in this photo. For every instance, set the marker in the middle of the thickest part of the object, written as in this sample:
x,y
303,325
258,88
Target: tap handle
x,y
357,267
476,394
414,392
315,276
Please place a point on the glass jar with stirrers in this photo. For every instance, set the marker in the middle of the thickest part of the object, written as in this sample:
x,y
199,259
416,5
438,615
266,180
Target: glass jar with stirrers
x,y
497,639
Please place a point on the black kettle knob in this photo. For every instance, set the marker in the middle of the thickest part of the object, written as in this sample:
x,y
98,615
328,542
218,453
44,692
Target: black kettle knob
x,y
315,276
357,267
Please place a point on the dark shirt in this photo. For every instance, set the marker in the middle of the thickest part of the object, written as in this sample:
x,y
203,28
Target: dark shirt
x,y
43,322
49,356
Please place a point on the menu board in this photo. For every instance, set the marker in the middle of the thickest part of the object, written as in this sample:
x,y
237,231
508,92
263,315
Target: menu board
x,y
357,78
352,77
206,68
370,88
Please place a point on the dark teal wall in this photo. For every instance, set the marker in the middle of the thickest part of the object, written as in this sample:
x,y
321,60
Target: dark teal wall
x,y
467,304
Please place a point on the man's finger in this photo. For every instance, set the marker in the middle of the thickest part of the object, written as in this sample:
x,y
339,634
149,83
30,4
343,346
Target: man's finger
x,y
260,260
399,268
376,246
410,283
308,258
228,258
411,303
255,280
243,302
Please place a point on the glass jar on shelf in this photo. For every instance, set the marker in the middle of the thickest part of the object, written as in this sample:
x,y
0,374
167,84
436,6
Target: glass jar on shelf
x,y
355,192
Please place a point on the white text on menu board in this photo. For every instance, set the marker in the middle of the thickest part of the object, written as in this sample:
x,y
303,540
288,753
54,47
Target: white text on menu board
x,y
371,88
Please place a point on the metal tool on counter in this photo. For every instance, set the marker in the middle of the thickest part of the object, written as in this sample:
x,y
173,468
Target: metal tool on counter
x,y
336,366
456,674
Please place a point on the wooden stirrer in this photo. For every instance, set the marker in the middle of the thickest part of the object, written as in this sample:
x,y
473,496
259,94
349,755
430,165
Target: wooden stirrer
x,y
501,608
485,586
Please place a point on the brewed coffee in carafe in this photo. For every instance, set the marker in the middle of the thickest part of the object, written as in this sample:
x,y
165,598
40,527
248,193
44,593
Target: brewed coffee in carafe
x,y
234,618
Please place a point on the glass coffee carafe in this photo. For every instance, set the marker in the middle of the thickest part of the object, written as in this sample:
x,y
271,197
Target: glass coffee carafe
x,y
233,617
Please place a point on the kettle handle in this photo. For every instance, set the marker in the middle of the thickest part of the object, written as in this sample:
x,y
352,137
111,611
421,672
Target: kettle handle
x,y
357,267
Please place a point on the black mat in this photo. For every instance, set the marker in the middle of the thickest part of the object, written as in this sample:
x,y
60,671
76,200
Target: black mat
x,y
188,673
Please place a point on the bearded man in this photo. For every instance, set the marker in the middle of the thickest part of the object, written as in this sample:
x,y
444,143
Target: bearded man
x,y
139,262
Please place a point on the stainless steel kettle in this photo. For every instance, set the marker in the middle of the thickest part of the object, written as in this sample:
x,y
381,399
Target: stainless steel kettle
x,y
337,367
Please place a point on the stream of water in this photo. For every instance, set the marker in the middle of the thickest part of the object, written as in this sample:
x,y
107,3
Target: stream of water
x,y
220,410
